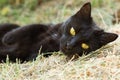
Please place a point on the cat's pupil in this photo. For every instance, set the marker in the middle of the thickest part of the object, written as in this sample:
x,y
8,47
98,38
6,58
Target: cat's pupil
x,y
72,31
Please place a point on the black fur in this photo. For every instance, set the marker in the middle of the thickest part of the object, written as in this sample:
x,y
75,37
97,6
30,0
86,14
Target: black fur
x,y
27,41
24,42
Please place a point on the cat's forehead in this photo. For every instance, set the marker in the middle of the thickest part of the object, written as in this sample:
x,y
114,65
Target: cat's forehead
x,y
76,24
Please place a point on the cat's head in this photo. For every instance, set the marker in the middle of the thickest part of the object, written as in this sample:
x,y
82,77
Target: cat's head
x,y
81,35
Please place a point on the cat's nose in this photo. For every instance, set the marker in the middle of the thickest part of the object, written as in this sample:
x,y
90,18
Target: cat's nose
x,y
69,46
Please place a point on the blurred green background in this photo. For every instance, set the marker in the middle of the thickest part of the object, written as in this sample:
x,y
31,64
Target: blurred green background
x,y
53,11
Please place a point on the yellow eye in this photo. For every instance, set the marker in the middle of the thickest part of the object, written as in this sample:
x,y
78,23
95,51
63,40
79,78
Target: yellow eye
x,y
84,46
72,31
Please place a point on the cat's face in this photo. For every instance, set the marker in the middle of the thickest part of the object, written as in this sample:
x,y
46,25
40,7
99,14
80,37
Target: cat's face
x,y
81,35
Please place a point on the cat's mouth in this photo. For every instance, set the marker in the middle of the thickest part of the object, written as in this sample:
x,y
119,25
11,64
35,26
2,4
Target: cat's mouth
x,y
68,51
65,50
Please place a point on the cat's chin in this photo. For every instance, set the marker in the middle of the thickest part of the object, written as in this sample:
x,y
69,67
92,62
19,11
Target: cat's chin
x,y
72,57
65,51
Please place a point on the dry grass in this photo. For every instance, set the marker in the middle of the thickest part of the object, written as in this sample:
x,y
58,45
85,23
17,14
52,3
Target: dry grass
x,y
103,64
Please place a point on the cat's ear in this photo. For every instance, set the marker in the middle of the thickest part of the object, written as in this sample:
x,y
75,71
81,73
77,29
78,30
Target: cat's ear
x,y
84,12
107,37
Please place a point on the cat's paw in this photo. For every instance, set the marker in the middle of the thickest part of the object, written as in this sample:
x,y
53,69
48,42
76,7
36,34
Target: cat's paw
x,y
8,39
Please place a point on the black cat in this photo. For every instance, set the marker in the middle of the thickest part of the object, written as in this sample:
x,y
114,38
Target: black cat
x,y
78,35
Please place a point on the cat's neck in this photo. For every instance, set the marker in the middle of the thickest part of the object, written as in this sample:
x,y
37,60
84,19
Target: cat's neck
x,y
57,28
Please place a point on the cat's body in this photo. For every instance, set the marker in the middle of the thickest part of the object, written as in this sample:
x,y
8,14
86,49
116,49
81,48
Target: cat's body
x,y
26,46
77,35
